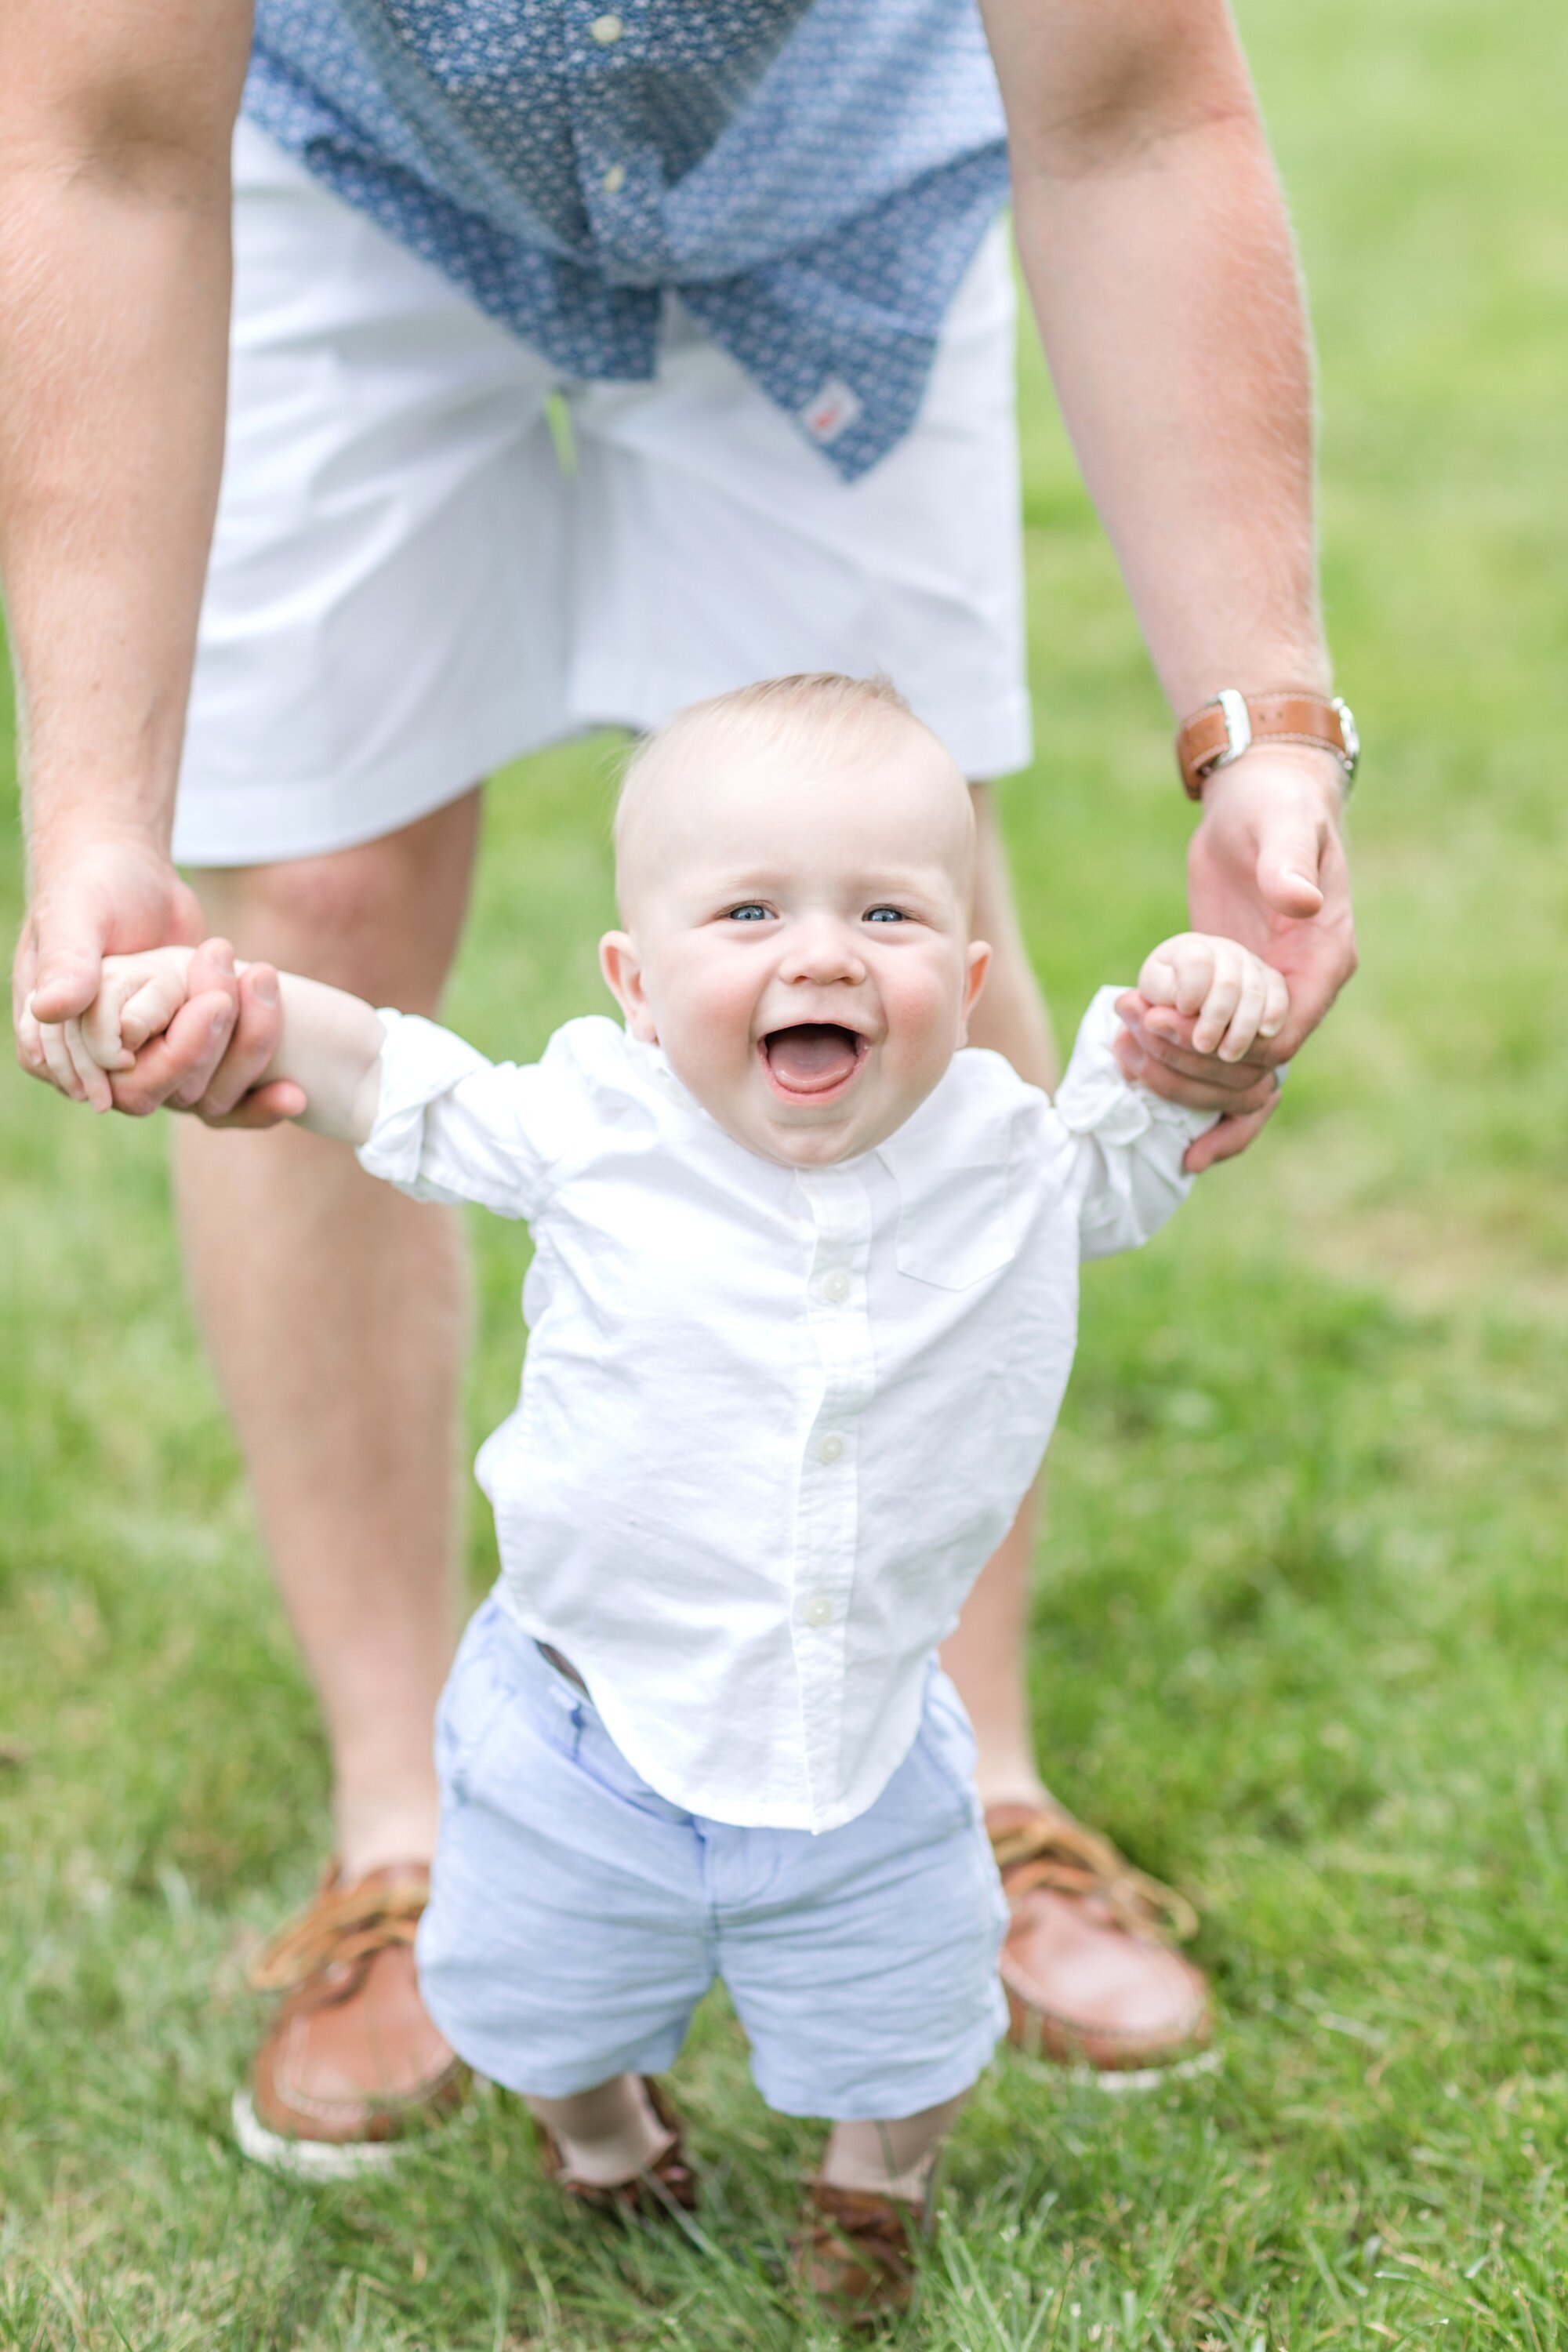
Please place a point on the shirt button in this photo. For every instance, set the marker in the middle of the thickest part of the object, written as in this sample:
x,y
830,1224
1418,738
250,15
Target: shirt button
x,y
830,1449
606,29
615,180
819,1612
836,1288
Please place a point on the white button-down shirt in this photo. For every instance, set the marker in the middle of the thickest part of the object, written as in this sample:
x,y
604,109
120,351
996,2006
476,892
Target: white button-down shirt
x,y
773,1419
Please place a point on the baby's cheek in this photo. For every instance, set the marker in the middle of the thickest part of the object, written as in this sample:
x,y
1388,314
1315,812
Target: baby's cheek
x,y
930,1003
925,1018
706,1038
718,1029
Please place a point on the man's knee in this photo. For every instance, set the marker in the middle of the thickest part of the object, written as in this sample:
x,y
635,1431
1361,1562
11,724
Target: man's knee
x,y
381,918
1011,1016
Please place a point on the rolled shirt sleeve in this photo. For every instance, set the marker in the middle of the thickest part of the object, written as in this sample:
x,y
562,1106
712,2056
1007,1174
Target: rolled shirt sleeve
x,y
451,1126
1133,1142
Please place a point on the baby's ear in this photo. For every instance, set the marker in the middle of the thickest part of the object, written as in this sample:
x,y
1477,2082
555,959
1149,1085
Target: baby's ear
x,y
979,964
622,967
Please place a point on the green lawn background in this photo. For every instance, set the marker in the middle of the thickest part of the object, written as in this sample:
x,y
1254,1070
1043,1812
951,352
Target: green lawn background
x,y
1300,1628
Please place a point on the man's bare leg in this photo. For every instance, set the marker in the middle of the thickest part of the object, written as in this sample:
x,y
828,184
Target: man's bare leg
x,y
335,1312
1081,1983
985,1655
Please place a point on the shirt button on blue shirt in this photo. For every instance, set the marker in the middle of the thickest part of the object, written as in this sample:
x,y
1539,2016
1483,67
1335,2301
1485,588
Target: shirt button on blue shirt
x,y
813,177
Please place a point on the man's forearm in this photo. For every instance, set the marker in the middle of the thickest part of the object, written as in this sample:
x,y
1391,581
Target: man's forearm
x,y
1154,240
113,319
114,281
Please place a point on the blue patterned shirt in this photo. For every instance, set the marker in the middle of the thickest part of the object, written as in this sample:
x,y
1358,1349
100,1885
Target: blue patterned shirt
x,y
811,177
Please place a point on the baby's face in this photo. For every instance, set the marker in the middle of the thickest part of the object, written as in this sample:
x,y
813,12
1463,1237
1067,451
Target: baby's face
x,y
798,937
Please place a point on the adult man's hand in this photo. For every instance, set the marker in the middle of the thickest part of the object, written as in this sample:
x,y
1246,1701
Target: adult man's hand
x,y
1266,866
111,895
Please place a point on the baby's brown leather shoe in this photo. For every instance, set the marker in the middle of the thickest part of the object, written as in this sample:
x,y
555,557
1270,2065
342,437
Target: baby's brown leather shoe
x,y
854,2253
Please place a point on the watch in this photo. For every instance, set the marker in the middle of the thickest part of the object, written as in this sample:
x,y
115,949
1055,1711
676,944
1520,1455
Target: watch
x,y
1227,727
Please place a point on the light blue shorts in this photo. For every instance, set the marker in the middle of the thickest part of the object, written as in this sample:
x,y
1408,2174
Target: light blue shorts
x,y
576,1919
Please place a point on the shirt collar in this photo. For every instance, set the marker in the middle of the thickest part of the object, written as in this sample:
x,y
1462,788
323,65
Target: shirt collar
x,y
952,1145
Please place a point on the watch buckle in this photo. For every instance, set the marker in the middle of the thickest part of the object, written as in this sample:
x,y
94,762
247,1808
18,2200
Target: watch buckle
x,y
1349,736
1232,709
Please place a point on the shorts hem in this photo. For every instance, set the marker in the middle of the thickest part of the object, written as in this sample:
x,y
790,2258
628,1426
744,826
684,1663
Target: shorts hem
x,y
258,824
996,741
558,2081
907,2092
987,739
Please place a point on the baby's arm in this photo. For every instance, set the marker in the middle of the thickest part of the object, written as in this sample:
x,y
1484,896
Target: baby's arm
x,y
330,1049
329,1046
1133,1142
425,1111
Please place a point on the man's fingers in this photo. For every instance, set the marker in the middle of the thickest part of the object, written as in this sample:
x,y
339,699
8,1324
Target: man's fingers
x,y
176,1067
1168,1034
109,894
1235,1089
24,971
1183,1063
250,1049
211,966
264,1107
201,1030
1233,1134
31,1044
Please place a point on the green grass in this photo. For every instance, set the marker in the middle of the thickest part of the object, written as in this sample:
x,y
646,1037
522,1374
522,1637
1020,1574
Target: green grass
x,y
1301,1611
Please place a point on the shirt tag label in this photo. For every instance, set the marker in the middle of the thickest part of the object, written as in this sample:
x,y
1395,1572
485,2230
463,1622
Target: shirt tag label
x,y
832,410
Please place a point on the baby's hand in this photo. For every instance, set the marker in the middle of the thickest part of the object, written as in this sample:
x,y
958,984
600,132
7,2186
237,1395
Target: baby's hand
x,y
138,997
1236,996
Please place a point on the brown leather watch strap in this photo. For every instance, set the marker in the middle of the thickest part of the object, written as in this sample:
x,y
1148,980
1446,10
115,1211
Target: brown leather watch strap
x,y
1224,728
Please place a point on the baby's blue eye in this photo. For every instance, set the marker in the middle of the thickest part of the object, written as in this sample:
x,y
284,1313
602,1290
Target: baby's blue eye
x,y
750,913
884,915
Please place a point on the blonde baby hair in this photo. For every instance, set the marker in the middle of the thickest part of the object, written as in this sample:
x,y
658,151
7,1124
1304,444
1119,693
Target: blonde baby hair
x,y
821,711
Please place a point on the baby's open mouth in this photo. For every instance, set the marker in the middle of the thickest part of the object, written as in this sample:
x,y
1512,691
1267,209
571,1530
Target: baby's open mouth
x,y
814,1058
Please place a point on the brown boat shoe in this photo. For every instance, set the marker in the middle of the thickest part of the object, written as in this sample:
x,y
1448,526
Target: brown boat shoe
x,y
855,2251
1089,1963
669,2183
351,2060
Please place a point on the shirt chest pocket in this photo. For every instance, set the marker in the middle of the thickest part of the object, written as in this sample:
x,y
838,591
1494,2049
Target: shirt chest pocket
x,y
954,1226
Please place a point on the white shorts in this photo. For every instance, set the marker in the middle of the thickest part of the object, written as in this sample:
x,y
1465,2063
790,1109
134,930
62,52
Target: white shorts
x,y
409,587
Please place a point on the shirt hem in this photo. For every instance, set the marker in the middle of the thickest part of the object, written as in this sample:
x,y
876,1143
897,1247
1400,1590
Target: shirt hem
x,y
694,1802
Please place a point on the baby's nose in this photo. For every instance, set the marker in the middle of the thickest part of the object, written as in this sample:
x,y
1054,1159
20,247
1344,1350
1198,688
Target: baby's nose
x,y
821,951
